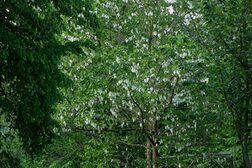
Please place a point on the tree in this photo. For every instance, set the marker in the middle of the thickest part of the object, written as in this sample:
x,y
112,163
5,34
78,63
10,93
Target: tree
x,y
165,88
31,47
223,29
137,86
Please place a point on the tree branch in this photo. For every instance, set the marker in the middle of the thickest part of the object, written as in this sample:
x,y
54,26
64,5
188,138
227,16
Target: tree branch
x,y
142,121
172,94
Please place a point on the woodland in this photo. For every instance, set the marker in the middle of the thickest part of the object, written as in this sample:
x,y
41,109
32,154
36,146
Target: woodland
x,y
125,84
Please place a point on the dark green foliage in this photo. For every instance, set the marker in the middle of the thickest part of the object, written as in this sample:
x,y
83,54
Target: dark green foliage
x,y
30,52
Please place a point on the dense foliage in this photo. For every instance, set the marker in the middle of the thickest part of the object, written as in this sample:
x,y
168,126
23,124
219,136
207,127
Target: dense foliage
x,y
31,46
161,83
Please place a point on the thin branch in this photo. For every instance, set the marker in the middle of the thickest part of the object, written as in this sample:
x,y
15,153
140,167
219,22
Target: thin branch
x,y
107,130
141,110
142,121
172,94
129,144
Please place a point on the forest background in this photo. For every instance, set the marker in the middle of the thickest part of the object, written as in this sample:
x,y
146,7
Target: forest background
x,y
125,83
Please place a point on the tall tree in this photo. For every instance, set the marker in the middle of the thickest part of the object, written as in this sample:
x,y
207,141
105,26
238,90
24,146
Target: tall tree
x,y
164,90
31,46
223,28
137,86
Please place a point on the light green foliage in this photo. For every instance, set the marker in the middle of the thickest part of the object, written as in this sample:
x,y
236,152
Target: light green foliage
x,y
142,65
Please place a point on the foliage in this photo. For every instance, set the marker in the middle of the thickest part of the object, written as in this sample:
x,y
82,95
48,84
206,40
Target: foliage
x,y
151,83
31,46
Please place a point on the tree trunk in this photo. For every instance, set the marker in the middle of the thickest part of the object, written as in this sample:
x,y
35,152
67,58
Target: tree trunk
x,y
155,157
148,153
244,143
243,133
245,154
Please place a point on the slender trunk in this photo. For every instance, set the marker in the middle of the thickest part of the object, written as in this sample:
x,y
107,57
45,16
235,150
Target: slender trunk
x,y
243,132
244,45
244,143
155,157
154,146
243,138
245,151
148,153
